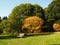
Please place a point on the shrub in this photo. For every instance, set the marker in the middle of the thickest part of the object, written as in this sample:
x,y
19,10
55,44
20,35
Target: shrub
x,y
56,25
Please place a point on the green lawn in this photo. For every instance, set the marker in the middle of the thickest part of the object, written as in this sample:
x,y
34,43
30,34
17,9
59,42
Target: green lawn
x,y
42,39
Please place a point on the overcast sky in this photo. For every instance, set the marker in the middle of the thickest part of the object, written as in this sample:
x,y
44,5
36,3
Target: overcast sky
x,y
6,6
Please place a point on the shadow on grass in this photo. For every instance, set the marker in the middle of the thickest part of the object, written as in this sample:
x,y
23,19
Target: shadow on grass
x,y
28,35
7,37
41,34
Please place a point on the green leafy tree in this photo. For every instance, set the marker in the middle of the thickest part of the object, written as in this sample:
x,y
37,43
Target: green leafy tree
x,y
5,26
21,12
1,30
14,19
52,13
0,19
0,26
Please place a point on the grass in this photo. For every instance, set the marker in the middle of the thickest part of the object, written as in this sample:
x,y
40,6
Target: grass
x,y
42,39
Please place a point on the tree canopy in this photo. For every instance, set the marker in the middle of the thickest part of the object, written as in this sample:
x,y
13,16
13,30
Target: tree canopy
x,y
53,11
21,12
50,15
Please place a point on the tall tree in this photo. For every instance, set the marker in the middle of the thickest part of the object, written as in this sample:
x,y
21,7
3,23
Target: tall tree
x,y
53,11
22,11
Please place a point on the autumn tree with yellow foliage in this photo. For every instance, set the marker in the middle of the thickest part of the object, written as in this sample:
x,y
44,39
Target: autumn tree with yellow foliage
x,y
32,25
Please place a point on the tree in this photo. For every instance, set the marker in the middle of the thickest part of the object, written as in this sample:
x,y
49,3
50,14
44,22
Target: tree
x,y
1,30
53,11
32,24
5,26
19,13
0,19
0,26
5,18
14,19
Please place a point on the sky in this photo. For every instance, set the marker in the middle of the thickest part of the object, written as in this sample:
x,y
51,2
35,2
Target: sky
x,y
6,6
